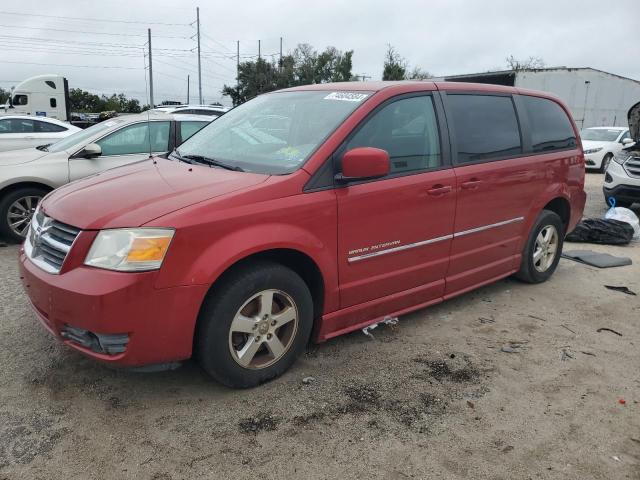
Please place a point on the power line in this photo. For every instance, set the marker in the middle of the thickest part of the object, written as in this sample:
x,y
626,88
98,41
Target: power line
x,y
22,27
94,19
71,65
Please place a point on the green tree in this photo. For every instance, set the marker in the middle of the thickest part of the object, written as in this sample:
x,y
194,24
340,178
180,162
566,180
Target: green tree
x,y
395,66
4,95
303,66
83,101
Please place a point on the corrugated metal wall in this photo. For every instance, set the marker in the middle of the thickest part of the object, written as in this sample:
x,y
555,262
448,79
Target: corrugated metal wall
x,y
595,98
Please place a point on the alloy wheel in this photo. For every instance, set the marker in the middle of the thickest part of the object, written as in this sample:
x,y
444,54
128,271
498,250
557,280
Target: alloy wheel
x,y
21,212
263,329
546,248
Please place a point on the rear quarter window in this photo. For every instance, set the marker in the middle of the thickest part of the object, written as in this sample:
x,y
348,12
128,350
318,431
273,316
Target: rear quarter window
x,y
549,125
486,127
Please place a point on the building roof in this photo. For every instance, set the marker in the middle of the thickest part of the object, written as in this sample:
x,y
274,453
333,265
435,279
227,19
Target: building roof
x,y
533,70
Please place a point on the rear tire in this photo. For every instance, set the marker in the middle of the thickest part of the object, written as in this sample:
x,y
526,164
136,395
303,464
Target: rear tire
x,y
254,324
543,248
16,211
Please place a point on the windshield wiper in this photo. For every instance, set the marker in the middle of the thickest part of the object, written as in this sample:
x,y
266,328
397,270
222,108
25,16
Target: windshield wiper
x,y
43,148
213,162
176,154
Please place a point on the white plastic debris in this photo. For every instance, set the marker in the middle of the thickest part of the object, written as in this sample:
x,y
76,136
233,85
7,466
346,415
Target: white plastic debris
x,y
625,215
386,321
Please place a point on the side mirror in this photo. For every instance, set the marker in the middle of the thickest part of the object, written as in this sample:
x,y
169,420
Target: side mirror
x,y
627,141
364,163
90,151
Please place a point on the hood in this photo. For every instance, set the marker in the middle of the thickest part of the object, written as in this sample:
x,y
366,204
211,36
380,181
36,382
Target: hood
x,y
634,122
135,194
16,157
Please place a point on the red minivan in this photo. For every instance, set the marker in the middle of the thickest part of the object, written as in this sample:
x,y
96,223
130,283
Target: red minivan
x,y
305,214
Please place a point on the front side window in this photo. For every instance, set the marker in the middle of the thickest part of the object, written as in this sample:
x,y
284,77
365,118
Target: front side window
x,y
20,100
624,136
486,127
274,133
550,127
135,139
16,125
407,130
188,128
45,127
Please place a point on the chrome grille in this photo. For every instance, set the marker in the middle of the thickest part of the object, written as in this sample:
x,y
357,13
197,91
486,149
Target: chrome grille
x,y
48,242
632,166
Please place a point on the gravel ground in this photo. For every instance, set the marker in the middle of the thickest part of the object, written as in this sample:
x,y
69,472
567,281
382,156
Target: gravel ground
x,y
433,397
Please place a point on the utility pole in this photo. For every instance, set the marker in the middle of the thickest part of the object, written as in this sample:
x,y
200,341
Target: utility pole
x,y
188,88
238,63
199,61
280,53
151,104
258,49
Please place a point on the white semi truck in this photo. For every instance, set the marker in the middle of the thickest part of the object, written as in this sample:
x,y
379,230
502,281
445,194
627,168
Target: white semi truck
x,y
42,95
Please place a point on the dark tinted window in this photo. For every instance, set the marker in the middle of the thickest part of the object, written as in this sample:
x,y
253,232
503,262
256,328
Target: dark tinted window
x,y
407,129
486,127
53,102
16,125
48,127
20,99
549,125
189,128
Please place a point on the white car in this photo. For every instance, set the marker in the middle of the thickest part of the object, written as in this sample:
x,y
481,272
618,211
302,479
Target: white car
x,y
195,110
24,131
601,144
28,175
622,178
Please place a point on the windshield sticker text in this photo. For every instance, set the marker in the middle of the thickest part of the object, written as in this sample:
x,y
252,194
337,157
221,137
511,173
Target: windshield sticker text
x,y
347,96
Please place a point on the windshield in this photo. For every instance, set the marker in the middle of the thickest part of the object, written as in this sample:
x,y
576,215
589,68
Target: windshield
x,y
274,133
79,137
599,134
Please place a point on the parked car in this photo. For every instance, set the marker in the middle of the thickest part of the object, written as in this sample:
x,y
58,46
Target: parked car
x,y
382,198
622,178
600,145
195,110
24,131
27,175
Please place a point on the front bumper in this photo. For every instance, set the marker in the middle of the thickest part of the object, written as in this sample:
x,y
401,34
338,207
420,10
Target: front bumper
x,y
158,323
619,185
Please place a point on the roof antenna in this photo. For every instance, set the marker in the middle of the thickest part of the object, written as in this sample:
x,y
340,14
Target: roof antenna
x,y
146,88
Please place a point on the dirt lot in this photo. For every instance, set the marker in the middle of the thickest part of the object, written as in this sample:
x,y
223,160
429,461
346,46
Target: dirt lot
x,y
434,397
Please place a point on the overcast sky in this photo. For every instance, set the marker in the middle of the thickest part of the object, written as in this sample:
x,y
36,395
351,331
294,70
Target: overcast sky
x,y
441,36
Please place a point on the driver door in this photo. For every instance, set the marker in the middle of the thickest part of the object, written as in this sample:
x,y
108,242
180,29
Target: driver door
x,y
122,147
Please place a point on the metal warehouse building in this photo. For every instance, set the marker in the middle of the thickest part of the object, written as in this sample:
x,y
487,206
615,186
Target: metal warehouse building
x,y
596,98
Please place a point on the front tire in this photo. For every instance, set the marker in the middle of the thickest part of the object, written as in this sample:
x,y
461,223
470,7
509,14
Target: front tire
x,y
16,211
254,325
543,248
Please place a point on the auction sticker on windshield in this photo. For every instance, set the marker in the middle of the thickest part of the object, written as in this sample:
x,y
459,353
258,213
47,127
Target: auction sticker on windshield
x,y
347,96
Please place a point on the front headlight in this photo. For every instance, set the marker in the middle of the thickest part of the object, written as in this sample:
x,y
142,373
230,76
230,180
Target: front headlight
x,y
130,249
621,157
592,150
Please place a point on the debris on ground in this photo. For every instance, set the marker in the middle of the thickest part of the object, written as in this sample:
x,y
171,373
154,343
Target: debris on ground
x,y
308,380
262,422
470,404
596,259
487,320
564,326
537,318
591,354
512,347
507,349
565,355
621,289
616,458
605,329
602,231
392,321
622,401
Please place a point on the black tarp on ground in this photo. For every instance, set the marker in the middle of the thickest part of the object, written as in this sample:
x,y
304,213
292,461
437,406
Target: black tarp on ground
x,y
603,231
